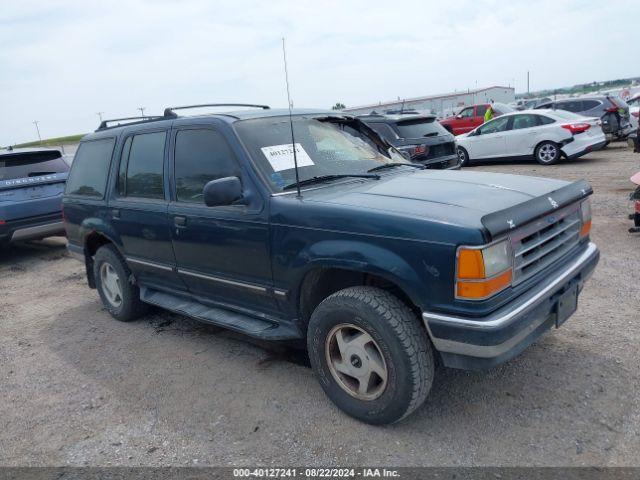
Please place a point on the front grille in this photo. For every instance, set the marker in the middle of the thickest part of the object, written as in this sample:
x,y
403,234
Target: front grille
x,y
543,242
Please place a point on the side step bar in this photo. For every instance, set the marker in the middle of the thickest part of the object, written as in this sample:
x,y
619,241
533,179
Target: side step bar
x,y
252,326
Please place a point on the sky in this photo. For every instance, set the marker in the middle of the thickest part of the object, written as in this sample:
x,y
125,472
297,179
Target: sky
x,y
62,61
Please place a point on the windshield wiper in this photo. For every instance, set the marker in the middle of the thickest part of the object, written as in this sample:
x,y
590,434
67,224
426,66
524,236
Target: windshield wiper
x,y
396,164
325,178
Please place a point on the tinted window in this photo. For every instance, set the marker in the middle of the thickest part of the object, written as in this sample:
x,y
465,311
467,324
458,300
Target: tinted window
x,y
467,112
574,106
524,121
146,166
589,104
545,120
122,171
34,164
426,127
201,156
384,130
481,110
90,168
494,126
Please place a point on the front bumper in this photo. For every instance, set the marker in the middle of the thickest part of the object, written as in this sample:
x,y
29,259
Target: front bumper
x,y
479,343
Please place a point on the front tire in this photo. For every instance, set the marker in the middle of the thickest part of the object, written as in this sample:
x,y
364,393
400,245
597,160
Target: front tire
x,y
463,156
370,354
119,295
547,153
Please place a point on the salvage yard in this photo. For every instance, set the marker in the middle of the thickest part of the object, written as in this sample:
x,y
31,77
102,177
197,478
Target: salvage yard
x,y
80,388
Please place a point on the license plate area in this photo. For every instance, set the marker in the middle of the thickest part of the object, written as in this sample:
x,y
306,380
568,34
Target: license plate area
x,y
567,305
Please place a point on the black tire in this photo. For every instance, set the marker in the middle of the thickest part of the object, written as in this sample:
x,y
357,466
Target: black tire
x,y
400,339
547,153
130,307
463,156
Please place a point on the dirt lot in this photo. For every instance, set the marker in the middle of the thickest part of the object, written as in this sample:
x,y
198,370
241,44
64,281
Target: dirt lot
x,y
80,388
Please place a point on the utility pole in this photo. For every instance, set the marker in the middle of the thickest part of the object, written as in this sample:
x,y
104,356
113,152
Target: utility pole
x,y
35,122
99,115
528,91
141,111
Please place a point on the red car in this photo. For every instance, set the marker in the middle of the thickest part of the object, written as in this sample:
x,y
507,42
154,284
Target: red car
x,y
471,117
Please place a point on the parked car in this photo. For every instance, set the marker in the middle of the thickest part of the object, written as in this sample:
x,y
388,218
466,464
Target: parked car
x,y
634,110
528,103
542,135
31,186
635,198
420,137
613,111
471,117
374,263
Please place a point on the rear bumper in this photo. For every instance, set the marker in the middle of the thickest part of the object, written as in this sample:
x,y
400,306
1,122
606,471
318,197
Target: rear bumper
x,y
448,162
479,343
32,228
589,148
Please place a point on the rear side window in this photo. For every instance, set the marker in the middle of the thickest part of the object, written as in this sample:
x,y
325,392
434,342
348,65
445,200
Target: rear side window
x,y
589,104
145,166
574,106
32,164
90,168
524,121
201,156
481,110
424,127
542,120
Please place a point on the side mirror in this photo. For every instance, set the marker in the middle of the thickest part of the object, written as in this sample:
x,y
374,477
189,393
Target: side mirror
x,y
222,191
458,116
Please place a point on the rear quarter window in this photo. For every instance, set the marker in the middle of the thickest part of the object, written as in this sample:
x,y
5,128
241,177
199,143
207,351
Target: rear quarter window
x,y
90,168
32,164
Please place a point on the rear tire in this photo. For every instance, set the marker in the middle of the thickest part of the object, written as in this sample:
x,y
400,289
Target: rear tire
x,y
463,156
119,295
370,354
548,153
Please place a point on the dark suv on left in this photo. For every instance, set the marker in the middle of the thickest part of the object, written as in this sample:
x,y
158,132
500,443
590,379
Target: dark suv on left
x,y
420,137
31,186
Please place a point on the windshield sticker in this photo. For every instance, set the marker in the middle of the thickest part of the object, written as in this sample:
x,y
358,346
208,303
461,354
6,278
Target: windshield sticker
x,y
281,157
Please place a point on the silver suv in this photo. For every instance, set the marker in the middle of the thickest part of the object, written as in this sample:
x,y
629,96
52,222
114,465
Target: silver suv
x,y
613,111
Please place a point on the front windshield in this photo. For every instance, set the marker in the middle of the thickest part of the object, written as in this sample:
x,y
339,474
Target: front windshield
x,y
327,146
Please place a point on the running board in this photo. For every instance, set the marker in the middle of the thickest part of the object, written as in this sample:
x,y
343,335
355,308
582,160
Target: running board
x,y
252,326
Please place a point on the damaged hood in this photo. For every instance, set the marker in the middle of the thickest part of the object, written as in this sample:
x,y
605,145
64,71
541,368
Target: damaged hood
x,y
478,200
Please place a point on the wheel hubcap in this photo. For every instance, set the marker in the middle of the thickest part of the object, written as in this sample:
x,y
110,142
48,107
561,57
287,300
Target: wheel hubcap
x,y
547,153
111,284
356,362
461,156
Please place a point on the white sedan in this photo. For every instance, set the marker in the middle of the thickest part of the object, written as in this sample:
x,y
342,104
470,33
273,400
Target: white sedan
x,y
544,135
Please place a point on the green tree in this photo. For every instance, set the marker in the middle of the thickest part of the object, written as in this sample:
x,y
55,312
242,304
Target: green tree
x,y
339,106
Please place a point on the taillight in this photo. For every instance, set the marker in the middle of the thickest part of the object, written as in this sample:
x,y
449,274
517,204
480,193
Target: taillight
x,y
418,150
635,114
2,222
612,109
637,203
576,127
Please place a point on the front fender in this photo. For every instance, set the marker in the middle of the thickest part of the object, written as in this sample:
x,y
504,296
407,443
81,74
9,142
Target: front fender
x,y
362,257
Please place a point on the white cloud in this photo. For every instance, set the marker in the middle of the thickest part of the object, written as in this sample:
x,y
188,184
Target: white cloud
x,y
62,61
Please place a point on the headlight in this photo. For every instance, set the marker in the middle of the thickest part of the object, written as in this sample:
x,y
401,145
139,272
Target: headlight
x,y
483,272
585,214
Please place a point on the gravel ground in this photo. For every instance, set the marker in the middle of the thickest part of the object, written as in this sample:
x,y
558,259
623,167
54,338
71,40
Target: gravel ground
x,y
78,388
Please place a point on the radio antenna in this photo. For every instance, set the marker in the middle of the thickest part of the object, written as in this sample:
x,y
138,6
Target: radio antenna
x,y
293,140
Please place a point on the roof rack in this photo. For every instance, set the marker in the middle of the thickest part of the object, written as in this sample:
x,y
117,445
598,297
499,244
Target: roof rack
x,y
169,112
129,120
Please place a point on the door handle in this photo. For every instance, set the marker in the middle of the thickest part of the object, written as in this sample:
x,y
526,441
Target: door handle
x,y
180,221
115,213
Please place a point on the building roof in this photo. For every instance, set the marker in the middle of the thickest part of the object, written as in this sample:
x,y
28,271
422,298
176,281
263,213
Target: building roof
x,y
430,97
